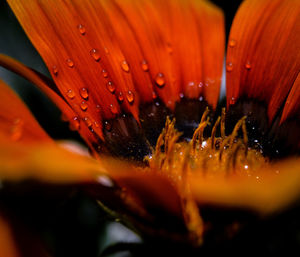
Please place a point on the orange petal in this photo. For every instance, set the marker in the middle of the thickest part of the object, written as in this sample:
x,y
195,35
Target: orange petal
x,y
292,104
16,121
263,54
273,189
38,79
130,48
183,43
8,246
151,190
45,162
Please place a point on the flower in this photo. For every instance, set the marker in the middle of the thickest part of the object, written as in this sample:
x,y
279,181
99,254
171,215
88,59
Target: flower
x,y
122,70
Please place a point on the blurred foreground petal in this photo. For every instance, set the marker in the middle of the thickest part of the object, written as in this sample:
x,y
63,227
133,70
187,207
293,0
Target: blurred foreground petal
x,y
271,190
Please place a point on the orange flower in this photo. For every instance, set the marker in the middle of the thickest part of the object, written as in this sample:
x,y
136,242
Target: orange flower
x,y
123,69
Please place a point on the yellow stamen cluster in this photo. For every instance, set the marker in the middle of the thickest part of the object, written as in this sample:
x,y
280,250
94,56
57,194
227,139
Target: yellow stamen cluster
x,y
213,156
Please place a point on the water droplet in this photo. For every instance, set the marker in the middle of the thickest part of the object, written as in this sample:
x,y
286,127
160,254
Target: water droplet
x,y
201,98
125,66
75,123
84,93
87,121
181,95
96,124
120,96
232,43
130,96
107,126
200,85
98,108
232,101
95,54
111,87
191,84
70,94
229,66
113,109
70,63
55,70
145,66
83,106
104,73
154,95
81,29
248,65
160,79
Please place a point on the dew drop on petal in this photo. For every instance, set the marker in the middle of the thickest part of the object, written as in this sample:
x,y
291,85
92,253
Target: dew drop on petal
x,y
113,109
181,95
248,65
229,66
81,29
84,93
120,96
95,54
55,70
160,79
201,98
70,63
145,66
96,124
83,106
111,87
130,96
154,95
98,108
232,101
70,94
191,84
125,66
104,73
75,123
232,43
88,121
107,126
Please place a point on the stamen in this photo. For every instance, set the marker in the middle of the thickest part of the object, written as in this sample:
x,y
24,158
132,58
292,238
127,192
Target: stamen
x,y
245,136
235,131
177,160
198,134
204,115
213,132
223,123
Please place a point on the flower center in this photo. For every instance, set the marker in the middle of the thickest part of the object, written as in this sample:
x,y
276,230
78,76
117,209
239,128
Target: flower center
x,y
223,155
